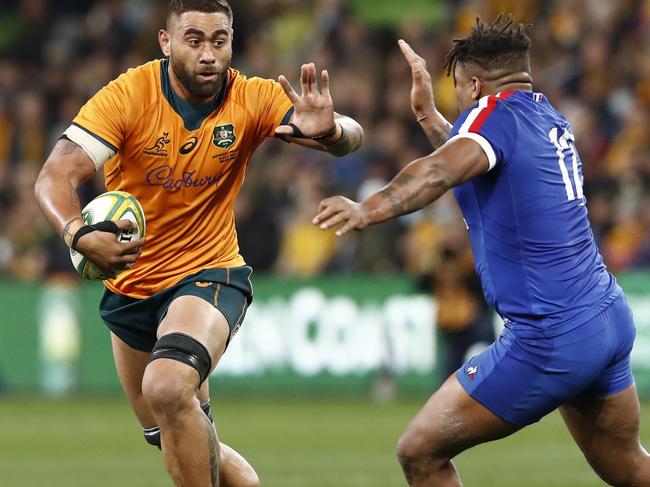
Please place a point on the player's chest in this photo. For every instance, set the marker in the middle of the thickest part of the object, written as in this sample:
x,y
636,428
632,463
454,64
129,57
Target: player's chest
x,y
167,155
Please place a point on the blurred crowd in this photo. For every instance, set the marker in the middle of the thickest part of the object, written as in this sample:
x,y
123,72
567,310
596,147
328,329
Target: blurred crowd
x,y
590,57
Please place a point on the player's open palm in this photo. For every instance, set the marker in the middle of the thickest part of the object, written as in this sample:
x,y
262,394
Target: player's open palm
x,y
338,210
422,101
313,114
105,251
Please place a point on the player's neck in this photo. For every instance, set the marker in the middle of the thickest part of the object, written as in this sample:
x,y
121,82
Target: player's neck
x,y
513,87
518,81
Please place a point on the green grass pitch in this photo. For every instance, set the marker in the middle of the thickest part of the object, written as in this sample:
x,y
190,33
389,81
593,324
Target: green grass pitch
x,y
292,442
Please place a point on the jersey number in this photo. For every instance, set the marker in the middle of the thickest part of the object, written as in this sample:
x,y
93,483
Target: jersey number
x,y
564,144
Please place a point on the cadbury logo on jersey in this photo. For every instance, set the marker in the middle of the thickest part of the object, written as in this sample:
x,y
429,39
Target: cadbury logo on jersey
x,y
158,148
224,135
164,177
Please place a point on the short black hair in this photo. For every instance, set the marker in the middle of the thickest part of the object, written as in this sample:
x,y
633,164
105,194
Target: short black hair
x,y
177,7
499,45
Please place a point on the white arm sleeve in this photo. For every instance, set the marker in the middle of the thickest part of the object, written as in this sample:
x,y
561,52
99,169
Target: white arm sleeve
x,y
98,152
482,141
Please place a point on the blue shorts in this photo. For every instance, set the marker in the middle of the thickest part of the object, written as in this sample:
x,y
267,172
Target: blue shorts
x,y
523,379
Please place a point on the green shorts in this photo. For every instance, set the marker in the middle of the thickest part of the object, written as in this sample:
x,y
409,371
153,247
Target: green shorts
x,y
136,321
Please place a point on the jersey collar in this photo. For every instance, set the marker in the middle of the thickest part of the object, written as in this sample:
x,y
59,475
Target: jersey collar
x,y
192,115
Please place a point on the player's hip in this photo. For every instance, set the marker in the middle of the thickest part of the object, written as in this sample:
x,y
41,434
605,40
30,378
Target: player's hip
x,y
136,320
523,379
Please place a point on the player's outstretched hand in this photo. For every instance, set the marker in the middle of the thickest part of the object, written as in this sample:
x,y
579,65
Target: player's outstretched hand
x,y
422,101
313,109
338,210
107,253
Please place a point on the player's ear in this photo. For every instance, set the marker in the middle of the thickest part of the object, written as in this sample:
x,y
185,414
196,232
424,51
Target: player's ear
x,y
476,88
163,40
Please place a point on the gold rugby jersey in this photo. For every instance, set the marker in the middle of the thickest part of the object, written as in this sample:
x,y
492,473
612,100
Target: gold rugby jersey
x,y
185,164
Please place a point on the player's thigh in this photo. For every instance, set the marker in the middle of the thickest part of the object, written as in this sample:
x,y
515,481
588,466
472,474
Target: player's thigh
x,y
210,308
130,365
450,422
201,320
606,429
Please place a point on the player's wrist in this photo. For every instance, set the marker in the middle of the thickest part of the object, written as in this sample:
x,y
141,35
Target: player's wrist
x,y
332,136
70,229
349,138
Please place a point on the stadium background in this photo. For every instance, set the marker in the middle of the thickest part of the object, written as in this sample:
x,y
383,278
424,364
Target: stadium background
x,y
325,409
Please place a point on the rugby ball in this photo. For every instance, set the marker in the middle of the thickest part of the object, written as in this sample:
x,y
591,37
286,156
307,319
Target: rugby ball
x,y
114,205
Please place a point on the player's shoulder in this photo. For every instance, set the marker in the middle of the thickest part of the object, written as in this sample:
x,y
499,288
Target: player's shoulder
x,y
487,110
139,80
246,88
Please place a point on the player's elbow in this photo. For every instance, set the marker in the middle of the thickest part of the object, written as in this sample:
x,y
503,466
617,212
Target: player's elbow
x,y
42,182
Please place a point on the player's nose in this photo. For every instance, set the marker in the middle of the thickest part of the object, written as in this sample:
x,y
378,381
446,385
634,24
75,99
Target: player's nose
x,y
207,56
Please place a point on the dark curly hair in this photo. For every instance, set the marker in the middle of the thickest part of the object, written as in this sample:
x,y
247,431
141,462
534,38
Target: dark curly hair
x,y
177,7
500,45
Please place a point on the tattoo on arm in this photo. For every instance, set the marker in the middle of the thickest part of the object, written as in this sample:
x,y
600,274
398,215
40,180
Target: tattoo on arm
x,y
67,234
402,195
213,444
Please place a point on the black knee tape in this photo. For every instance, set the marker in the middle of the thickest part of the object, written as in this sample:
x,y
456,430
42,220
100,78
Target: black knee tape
x,y
183,348
152,435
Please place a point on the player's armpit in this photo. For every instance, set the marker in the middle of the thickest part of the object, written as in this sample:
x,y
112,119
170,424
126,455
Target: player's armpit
x,y
461,159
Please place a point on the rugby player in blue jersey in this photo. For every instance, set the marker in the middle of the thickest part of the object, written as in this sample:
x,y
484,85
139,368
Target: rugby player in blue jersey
x,y
517,177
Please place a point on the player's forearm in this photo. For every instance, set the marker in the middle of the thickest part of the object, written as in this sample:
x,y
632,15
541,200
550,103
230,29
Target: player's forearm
x,y
435,127
347,138
56,188
59,202
417,185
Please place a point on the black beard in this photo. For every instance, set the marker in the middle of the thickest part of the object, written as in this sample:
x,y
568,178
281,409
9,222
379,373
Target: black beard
x,y
197,89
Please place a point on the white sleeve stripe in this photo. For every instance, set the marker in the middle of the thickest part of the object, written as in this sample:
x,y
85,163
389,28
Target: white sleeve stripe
x,y
483,142
98,152
482,104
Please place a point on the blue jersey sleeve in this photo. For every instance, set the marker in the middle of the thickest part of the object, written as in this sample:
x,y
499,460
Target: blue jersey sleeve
x,y
490,124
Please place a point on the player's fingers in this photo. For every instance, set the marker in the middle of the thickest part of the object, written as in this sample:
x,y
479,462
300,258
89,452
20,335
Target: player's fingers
x,y
133,246
326,208
407,51
125,225
325,82
347,228
313,87
304,78
284,130
334,220
415,61
288,89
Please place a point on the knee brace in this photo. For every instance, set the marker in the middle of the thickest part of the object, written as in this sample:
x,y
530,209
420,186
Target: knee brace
x,y
183,348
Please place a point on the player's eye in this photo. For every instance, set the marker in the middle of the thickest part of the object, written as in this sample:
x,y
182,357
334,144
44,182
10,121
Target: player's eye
x,y
219,43
193,42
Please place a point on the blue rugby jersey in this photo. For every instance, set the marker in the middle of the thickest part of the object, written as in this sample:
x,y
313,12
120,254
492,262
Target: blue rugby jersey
x,y
533,246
